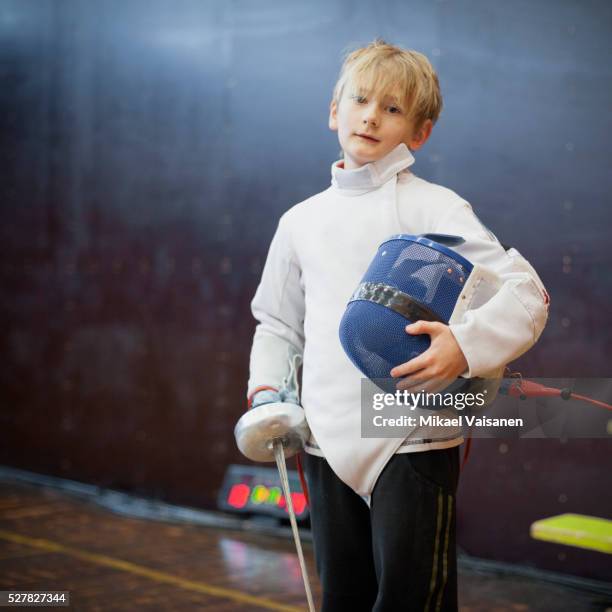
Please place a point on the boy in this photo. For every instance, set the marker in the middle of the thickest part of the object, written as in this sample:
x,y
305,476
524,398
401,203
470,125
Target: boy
x,y
396,551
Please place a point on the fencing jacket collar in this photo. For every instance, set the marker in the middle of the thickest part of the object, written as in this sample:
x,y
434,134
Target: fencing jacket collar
x,y
372,175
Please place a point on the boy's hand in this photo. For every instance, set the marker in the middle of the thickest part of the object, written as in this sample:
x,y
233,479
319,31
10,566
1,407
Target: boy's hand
x,y
438,366
265,395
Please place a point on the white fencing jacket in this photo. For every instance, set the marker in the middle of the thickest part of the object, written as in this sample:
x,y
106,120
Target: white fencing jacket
x,y
319,253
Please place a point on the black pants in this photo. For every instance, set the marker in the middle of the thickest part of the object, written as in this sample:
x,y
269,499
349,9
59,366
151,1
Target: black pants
x,y
398,556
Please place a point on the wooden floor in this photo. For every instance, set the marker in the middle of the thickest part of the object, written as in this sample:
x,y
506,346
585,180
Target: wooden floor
x,y
49,540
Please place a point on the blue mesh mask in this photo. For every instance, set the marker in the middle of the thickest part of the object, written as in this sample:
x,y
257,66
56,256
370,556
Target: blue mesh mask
x,y
411,278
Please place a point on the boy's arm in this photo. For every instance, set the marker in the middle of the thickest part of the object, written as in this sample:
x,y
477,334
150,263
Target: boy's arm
x,y
278,305
508,324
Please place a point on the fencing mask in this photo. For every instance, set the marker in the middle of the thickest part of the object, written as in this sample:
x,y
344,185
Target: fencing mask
x,y
411,278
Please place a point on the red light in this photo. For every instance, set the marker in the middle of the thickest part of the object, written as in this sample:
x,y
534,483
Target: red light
x,y
238,495
299,503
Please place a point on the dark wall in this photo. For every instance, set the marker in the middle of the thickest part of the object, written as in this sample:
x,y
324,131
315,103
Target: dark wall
x,y
148,149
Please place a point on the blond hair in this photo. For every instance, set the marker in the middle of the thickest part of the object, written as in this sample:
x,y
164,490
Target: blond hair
x,y
392,71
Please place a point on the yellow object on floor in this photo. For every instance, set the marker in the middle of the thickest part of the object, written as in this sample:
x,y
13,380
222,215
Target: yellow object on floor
x,y
575,530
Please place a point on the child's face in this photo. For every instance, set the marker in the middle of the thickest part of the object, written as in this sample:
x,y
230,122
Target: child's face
x,y
370,126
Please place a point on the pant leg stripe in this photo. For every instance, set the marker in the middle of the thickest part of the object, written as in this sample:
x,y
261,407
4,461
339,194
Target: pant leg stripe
x,y
434,565
445,555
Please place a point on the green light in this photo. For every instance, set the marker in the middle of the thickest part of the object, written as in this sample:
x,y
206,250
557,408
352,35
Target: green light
x,y
274,496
